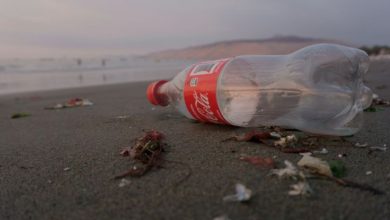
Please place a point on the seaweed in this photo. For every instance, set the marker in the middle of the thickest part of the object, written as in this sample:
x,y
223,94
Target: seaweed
x,y
146,152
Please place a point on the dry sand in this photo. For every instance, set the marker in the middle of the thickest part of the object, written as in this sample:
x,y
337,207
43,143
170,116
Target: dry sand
x,y
60,164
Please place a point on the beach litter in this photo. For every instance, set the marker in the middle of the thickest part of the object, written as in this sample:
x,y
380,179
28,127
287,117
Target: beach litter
x,y
377,148
66,168
243,194
300,189
20,115
320,168
259,161
376,101
71,103
146,153
309,166
361,145
313,167
124,182
290,171
371,148
288,142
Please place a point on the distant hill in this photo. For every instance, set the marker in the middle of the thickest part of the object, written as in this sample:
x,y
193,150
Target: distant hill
x,y
271,46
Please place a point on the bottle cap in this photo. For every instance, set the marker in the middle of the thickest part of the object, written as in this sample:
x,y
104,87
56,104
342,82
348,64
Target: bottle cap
x,y
152,93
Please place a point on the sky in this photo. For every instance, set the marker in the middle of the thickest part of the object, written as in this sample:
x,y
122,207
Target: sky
x,y
57,28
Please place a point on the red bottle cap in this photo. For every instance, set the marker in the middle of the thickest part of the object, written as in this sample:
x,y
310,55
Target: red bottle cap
x,y
153,96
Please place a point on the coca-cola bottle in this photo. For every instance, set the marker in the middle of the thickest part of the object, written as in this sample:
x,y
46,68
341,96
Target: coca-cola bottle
x,y
318,89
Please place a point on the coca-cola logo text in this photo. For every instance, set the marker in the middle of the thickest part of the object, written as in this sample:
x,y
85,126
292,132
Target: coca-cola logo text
x,y
202,106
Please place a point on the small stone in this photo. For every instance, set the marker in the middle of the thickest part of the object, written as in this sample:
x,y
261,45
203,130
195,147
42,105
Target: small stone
x,y
66,168
368,172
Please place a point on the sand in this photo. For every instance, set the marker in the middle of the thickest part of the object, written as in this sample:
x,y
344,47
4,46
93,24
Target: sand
x,y
60,164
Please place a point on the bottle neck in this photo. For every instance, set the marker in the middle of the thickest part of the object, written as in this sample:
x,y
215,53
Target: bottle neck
x,y
157,93
162,94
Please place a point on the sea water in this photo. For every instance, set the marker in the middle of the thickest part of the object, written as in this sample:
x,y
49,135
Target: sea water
x,y
22,75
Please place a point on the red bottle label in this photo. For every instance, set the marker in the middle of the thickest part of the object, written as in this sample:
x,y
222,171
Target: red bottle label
x,y
200,93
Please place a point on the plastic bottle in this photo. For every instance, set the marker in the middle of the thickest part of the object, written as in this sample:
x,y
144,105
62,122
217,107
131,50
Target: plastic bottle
x,y
317,89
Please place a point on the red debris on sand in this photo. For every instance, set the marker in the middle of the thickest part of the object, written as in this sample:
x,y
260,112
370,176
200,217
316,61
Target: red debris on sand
x,y
125,152
254,136
260,161
147,151
71,103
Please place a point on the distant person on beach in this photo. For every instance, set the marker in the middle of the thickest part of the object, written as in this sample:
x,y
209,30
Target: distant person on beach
x,y
81,78
103,62
79,62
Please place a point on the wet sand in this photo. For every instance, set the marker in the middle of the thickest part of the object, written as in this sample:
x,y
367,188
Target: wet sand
x,y
86,142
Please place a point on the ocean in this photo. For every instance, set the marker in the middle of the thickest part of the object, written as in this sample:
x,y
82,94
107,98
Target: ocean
x,y
23,75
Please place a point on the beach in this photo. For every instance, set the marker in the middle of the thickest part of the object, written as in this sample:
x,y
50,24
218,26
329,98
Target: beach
x,y
60,164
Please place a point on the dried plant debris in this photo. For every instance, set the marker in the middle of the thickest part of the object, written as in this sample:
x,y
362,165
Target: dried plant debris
x,y
312,167
289,171
320,168
288,142
243,194
20,115
301,188
146,153
71,103
361,145
315,165
378,148
371,148
259,161
376,101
